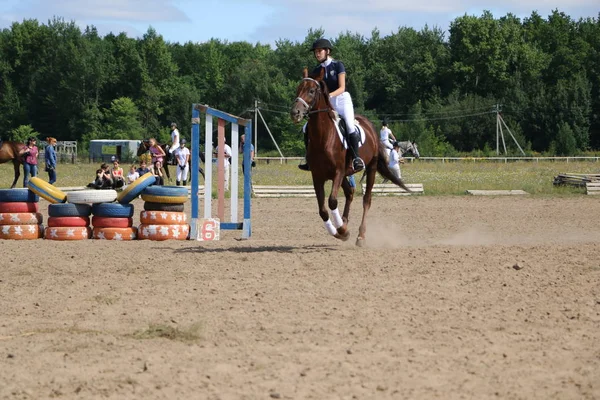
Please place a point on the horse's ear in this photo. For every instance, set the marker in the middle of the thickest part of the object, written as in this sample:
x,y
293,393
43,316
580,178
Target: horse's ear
x,y
305,73
321,74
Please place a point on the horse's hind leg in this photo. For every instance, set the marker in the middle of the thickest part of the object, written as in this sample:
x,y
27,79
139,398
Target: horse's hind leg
x,y
17,166
349,194
362,230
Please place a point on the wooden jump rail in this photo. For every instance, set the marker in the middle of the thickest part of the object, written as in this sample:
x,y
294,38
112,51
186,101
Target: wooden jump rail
x,y
309,191
592,188
283,191
389,189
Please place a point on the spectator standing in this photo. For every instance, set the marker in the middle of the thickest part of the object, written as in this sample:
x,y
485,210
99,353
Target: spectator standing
x,y
157,152
50,159
182,158
30,162
226,161
252,162
395,160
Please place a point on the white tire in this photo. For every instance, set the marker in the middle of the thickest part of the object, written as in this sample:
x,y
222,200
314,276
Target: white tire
x,y
92,196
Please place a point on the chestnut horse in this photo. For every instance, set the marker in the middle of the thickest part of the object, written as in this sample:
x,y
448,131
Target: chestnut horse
x,y
329,160
9,151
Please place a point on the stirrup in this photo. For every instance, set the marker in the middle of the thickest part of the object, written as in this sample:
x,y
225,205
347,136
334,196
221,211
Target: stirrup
x,y
358,164
304,167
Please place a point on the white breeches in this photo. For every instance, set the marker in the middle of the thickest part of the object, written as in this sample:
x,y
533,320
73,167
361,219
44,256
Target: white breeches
x,y
396,171
343,105
174,147
387,144
182,174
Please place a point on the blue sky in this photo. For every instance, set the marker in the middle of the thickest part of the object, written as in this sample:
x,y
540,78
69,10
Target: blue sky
x,y
266,21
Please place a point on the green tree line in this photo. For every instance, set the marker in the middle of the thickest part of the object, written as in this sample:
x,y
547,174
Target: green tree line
x,y
439,88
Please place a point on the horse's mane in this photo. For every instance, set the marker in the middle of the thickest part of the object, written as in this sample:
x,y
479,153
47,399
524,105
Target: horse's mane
x,y
319,78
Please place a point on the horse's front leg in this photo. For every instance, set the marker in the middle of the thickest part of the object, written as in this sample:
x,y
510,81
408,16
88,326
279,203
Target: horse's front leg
x,y
323,213
338,222
17,166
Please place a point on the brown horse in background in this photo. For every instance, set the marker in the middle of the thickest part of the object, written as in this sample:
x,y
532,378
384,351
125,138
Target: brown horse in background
x,y
9,151
329,160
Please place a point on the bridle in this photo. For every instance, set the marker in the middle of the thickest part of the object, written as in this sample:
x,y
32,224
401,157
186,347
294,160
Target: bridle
x,y
308,108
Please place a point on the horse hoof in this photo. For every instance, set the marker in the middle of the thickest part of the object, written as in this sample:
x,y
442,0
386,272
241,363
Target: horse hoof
x,y
343,236
360,242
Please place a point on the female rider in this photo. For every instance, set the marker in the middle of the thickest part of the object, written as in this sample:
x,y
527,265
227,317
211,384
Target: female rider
x,y
335,79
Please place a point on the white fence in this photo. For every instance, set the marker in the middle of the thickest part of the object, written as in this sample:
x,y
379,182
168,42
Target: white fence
x,y
286,160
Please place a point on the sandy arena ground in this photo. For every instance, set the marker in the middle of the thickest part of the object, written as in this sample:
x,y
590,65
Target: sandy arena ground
x,y
454,298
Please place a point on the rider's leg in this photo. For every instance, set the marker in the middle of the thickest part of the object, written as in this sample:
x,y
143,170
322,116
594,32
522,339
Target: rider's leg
x,y
343,105
304,165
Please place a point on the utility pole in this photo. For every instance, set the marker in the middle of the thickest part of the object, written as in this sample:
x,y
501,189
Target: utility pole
x,y
255,128
500,132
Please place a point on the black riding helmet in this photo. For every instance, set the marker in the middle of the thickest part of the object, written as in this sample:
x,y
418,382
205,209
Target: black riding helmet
x,y
321,44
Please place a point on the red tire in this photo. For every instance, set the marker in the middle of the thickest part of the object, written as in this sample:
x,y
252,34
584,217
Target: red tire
x,y
19,207
111,222
21,218
129,233
68,221
68,233
163,232
163,217
21,232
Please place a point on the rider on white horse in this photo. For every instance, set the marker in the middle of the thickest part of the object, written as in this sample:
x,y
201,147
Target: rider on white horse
x,y
386,136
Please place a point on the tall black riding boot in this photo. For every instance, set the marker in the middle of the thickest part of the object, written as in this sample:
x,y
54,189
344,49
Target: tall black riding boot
x,y
177,183
357,163
304,166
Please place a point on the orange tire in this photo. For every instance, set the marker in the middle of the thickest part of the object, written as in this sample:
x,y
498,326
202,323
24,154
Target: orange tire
x,y
68,221
21,218
163,218
129,233
68,233
163,232
111,222
21,232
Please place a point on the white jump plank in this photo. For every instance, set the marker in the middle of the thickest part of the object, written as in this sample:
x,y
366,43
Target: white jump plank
x,y
496,192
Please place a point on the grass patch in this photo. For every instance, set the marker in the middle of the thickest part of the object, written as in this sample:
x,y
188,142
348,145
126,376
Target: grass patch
x,y
155,331
448,178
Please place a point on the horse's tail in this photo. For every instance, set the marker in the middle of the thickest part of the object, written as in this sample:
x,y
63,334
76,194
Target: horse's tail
x,y
386,172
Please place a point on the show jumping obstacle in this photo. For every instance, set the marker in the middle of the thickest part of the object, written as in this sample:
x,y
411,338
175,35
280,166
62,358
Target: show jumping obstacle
x,y
207,228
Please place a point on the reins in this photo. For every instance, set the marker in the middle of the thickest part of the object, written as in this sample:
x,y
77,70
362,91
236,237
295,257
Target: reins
x,y
310,106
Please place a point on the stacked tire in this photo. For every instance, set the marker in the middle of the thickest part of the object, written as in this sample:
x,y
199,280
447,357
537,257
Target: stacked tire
x,y
163,217
113,221
19,215
68,221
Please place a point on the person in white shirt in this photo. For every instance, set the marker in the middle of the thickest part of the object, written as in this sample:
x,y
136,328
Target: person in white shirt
x,y
226,161
174,138
395,160
182,157
132,175
385,134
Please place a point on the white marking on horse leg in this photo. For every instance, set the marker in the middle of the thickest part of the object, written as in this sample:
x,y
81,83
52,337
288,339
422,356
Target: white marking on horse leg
x,y
330,228
337,219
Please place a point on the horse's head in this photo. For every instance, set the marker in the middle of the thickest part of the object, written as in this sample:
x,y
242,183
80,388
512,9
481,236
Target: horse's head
x,y
414,149
143,147
311,91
